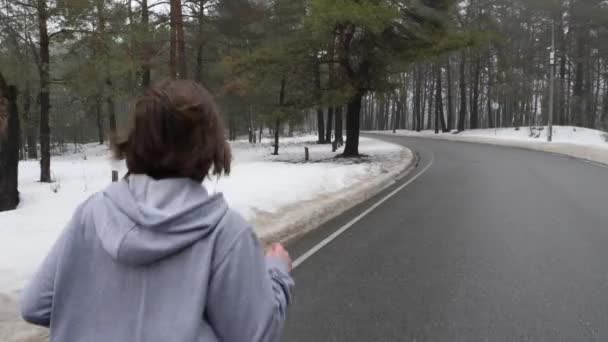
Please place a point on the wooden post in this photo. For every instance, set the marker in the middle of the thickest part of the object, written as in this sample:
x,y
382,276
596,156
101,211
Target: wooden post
x,y
114,176
306,154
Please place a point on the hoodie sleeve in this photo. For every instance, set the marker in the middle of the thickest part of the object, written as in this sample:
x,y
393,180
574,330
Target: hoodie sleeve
x,y
37,298
249,294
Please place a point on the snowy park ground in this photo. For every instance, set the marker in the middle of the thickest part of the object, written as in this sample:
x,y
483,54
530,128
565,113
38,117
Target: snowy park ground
x,y
278,194
584,143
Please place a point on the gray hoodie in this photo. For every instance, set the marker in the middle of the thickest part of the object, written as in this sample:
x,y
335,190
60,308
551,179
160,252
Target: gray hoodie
x,y
158,260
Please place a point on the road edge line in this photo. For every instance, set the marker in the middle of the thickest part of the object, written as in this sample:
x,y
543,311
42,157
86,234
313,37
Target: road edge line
x,y
302,258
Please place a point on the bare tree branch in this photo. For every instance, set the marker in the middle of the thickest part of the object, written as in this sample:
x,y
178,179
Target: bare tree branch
x,y
158,3
67,31
23,4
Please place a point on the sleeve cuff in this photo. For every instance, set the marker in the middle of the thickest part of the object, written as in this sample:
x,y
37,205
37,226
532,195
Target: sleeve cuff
x,y
275,263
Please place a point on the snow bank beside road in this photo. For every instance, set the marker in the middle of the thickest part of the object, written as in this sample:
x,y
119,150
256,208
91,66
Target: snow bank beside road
x,y
283,196
561,134
583,143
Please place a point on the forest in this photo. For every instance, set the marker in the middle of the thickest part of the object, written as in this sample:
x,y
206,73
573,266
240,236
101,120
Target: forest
x,y
69,69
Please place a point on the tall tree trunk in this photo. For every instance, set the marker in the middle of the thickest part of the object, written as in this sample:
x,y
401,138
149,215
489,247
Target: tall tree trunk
x,y
450,125
398,105
182,66
320,125
381,112
387,112
261,132
588,91
475,100
570,99
250,129
351,149
277,126
437,96
377,113
173,38
9,146
330,120
277,129
30,124
147,58
369,107
21,147
99,119
200,42
320,118
415,101
418,114
436,120
596,97
231,129
404,111
535,108
579,91
423,100
101,50
111,109
462,113
394,113
439,114
177,53
403,100
45,97
561,89
604,119
431,97
131,46
491,122
339,136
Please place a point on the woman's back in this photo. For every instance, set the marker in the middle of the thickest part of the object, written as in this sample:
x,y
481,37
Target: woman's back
x,y
158,260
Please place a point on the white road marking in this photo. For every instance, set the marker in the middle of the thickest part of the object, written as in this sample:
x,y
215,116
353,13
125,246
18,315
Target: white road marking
x,y
595,163
352,222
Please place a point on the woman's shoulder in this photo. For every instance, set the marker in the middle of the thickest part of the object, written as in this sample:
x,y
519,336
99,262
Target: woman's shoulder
x,y
82,210
85,208
232,226
96,200
88,212
231,229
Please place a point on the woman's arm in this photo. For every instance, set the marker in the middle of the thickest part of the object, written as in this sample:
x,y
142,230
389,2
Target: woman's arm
x,y
37,297
249,293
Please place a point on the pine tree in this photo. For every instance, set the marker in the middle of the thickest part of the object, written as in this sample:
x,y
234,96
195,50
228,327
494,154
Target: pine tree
x,y
362,26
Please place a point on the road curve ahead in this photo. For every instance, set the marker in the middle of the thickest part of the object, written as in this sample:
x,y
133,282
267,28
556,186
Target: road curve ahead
x,y
489,244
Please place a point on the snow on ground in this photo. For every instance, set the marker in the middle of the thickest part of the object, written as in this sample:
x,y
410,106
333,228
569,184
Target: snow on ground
x,y
257,184
561,134
577,142
260,184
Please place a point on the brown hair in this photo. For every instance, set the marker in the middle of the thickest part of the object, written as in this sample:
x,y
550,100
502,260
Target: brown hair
x,y
176,132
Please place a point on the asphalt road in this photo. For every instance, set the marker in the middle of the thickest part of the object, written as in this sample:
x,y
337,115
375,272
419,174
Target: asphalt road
x,y
490,244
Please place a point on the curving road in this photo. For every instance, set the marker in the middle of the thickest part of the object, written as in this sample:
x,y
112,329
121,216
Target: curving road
x,y
489,244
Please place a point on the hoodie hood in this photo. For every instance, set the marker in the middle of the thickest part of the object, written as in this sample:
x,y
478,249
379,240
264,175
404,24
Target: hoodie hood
x,y
142,220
